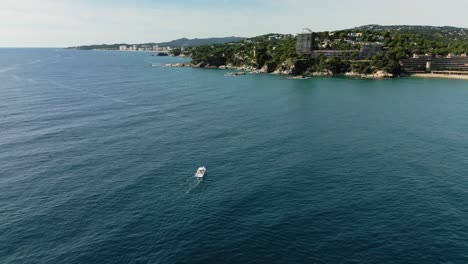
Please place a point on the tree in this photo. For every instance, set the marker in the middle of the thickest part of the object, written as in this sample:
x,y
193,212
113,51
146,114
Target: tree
x,y
176,51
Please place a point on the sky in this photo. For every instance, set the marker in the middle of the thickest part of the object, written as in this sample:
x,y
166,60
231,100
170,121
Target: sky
x,y
63,23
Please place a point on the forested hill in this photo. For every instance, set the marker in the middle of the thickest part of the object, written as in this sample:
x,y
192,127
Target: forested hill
x,y
183,42
428,31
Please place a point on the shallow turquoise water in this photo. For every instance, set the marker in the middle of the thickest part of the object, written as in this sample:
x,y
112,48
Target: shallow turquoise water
x,y
98,153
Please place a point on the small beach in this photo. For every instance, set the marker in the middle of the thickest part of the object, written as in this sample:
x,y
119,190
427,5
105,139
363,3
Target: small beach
x,y
445,76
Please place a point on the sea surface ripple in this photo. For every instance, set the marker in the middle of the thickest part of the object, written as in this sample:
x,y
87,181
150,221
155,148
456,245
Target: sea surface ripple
x,y
98,152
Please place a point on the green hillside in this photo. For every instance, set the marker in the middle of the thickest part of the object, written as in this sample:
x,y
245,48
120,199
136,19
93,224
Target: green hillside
x,y
273,52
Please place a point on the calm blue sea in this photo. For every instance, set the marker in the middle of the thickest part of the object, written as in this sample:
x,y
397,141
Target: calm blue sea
x,y
98,152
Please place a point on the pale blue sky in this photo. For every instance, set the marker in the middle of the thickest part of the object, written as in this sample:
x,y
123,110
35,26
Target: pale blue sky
x,y
58,23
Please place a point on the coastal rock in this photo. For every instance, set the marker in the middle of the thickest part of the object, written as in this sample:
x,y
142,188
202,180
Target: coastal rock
x,y
179,65
298,77
238,59
235,74
377,75
200,65
286,68
264,69
326,73
246,68
382,74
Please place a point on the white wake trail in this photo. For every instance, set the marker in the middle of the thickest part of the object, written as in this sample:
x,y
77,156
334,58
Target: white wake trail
x,y
17,78
35,61
68,87
10,68
193,183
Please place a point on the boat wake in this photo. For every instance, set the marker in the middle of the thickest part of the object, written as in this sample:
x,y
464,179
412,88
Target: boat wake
x,y
68,87
15,66
193,183
34,61
17,78
10,68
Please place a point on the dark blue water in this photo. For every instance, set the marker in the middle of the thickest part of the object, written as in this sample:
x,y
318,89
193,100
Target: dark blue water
x,y
98,152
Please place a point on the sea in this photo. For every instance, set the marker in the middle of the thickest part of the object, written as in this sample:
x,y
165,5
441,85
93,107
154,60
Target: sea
x,y
98,151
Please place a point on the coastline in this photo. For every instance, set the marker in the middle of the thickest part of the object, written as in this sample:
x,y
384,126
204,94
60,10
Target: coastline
x,y
287,72
439,76
380,75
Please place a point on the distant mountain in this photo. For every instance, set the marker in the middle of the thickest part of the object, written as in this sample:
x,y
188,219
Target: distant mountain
x,y
183,42
427,31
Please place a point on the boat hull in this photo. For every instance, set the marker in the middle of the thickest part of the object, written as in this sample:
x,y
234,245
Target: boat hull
x,y
200,172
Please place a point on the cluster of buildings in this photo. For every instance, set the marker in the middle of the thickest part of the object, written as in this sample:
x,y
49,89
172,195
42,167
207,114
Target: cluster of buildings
x,y
279,36
144,48
270,37
427,63
307,43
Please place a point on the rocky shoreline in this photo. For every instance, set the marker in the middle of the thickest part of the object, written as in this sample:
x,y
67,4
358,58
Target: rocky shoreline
x,y
285,69
376,75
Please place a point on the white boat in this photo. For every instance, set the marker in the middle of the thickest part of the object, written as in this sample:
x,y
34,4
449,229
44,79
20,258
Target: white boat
x,y
200,172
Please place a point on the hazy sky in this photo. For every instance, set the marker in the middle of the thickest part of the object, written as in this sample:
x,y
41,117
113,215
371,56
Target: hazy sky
x,y
59,23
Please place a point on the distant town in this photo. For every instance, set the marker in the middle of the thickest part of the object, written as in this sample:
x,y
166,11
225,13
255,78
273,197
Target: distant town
x,y
155,48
